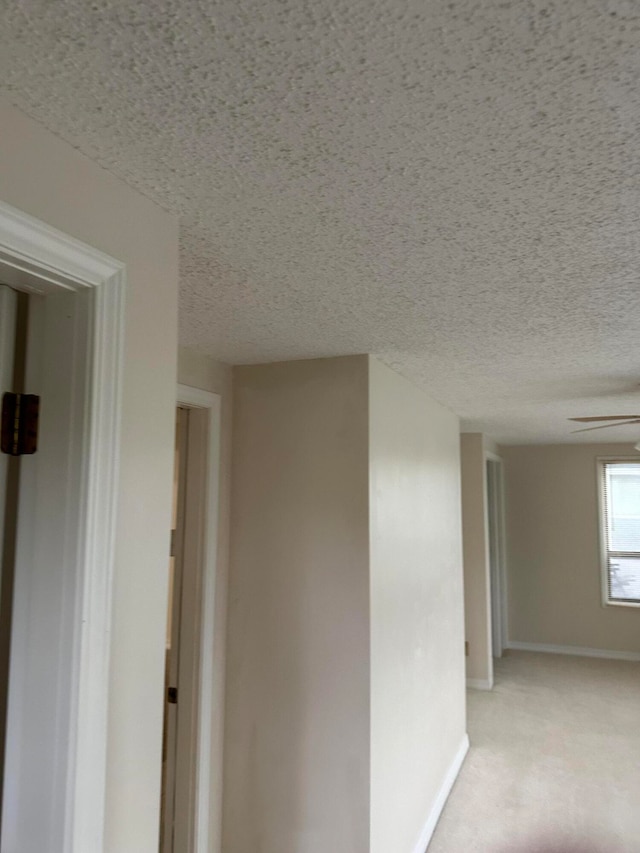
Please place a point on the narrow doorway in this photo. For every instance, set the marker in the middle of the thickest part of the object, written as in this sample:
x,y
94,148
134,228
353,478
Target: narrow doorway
x,y
64,425
173,635
45,440
13,331
496,554
191,764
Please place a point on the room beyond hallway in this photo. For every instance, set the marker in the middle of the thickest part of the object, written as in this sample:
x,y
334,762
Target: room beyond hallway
x,y
554,764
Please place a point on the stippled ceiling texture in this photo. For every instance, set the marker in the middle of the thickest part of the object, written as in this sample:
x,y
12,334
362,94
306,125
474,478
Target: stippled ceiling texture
x,y
454,186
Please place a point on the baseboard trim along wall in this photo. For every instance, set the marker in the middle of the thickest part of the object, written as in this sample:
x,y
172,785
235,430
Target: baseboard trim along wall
x,y
581,651
480,683
443,794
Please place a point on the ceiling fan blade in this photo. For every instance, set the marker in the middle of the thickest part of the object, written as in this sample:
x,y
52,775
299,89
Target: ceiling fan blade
x,y
604,418
607,426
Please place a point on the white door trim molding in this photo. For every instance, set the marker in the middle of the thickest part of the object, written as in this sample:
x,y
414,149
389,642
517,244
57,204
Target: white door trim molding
x,y
204,841
32,251
33,247
579,651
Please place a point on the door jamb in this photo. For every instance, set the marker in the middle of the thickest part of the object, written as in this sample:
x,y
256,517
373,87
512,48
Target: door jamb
x,y
503,615
32,249
194,398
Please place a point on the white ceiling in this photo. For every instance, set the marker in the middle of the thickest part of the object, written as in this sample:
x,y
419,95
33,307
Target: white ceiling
x,y
454,186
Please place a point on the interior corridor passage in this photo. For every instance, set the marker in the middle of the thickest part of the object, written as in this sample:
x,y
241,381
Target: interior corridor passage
x,y
554,764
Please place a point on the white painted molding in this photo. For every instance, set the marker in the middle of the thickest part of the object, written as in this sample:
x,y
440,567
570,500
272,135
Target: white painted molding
x,y
480,683
579,651
442,796
203,840
197,398
31,248
94,642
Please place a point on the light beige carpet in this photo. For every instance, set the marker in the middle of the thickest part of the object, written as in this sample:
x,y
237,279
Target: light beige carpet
x,y
554,763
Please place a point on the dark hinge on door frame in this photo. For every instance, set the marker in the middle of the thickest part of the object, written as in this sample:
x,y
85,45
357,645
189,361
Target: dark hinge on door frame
x,y
19,423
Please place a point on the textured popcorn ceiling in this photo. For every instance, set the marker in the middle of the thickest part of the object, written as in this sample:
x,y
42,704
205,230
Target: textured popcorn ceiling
x,y
454,186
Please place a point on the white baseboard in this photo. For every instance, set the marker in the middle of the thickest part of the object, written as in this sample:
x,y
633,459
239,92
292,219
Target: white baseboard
x,y
441,798
480,683
581,651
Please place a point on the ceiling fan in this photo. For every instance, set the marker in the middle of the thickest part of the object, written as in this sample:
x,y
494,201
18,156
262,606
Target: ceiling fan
x,y
618,420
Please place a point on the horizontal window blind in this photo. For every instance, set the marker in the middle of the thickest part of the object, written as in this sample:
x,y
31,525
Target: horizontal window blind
x,y
621,491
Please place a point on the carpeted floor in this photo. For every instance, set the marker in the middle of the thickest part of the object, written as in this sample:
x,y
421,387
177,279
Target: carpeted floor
x,y
554,764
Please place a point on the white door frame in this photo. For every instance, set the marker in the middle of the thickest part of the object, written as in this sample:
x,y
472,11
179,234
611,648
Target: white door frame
x,y
205,839
498,573
37,257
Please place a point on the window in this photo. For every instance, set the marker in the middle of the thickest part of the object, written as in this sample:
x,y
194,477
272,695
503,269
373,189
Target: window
x,y
620,530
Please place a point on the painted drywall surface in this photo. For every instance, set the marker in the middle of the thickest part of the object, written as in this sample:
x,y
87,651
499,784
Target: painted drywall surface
x,y
417,624
297,709
46,178
553,558
201,371
490,446
477,574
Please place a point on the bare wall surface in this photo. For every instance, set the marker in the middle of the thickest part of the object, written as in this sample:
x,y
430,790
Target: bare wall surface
x,y
490,445
46,178
297,712
477,575
417,625
553,553
201,371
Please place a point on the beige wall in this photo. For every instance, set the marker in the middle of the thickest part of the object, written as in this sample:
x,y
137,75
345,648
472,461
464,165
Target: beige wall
x,y
297,713
477,576
553,551
201,371
490,445
345,672
417,631
46,178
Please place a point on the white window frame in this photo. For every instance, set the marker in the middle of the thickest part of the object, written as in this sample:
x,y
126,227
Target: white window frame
x,y
601,462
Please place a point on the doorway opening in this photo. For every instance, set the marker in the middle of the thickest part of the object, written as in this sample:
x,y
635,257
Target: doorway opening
x,y
172,769
60,525
497,562
188,767
14,308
